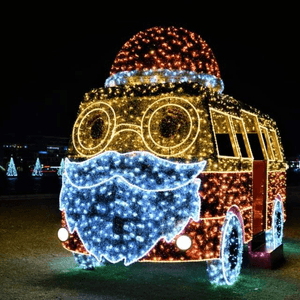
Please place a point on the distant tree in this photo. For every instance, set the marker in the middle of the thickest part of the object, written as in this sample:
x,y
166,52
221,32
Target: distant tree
x,y
11,170
37,171
61,168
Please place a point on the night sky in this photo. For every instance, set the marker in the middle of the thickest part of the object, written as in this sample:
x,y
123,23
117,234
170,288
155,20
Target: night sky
x,y
50,63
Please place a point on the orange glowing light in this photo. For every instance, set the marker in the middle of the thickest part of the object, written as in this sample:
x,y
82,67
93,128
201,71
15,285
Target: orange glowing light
x,y
158,47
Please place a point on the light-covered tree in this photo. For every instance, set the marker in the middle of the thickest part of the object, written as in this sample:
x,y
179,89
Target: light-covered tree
x,y
37,171
11,170
61,168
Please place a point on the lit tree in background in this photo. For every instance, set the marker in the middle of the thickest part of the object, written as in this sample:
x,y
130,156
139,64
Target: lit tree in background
x,y
61,168
37,171
11,171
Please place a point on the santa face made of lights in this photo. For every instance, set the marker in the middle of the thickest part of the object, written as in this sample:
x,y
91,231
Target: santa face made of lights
x,y
140,147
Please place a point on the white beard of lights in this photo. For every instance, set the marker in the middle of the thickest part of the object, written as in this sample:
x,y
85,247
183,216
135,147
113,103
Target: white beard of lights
x,y
122,204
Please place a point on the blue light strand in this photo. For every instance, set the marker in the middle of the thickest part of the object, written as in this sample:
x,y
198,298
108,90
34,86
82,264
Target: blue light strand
x,y
11,170
134,167
88,262
121,211
61,168
274,236
169,76
226,270
37,171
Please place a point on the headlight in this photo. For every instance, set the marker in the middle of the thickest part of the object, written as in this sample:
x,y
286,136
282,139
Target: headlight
x,y
63,234
184,242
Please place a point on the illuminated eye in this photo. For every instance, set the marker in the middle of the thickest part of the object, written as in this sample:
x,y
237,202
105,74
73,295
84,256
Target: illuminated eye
x,y
170,126
173,124
97,128
94,129
167,127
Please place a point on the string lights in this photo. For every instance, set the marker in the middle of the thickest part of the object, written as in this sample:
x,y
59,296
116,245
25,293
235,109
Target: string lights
x,y
275,234
61,167
166,48
11,170
117,213
161,76
37,171
142,144
226,270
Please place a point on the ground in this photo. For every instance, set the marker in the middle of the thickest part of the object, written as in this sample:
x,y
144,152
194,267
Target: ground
x,y
33,264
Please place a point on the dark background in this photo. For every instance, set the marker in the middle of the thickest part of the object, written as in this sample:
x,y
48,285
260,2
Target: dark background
x,y
51,60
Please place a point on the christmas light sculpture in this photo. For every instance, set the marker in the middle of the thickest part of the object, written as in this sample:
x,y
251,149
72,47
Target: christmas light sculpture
x,y
226,270
121,205
61,168
163,76
274,235
11,170
37,171
142,145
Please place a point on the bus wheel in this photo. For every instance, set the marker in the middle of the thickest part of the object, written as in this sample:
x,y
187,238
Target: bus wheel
x,y
225,271
275,235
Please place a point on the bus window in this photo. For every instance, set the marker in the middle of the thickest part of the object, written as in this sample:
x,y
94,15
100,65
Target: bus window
x,y
267,142
275,145
241,137
224,136
255,146
224,144
255,138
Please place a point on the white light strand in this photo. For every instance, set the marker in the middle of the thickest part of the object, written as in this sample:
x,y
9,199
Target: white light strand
x,y
125,207
275,234
164,76
37,171
11,170
226,270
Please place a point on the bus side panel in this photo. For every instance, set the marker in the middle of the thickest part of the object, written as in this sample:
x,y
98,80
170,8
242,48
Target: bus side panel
x,y
220,191
276,186
248,224
74,243
206,240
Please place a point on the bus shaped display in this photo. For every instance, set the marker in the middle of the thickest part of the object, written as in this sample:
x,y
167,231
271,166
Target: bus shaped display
x,y
163,167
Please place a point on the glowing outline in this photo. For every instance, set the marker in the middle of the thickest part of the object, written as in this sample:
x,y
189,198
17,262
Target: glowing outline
x,y
277,207
192,142
190,125
232,135
164,76
75,132
84,118
276,147
193,178
231,215
268,145
258,132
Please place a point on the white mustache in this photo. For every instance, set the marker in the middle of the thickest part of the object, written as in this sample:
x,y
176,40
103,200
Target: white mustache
x,y
122,204
141,169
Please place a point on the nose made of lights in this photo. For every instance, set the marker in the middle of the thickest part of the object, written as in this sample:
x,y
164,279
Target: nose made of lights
x,y
184,242
63,234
